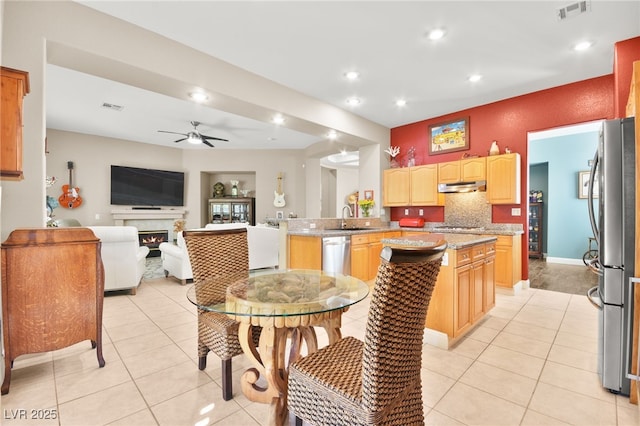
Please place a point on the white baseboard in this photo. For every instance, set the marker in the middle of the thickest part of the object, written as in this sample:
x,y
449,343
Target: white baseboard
x,y
565,261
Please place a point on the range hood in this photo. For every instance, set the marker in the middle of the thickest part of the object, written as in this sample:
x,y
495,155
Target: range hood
x,y
478,185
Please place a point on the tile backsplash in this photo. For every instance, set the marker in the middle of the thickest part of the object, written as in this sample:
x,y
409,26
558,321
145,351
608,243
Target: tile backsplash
x,y
467,209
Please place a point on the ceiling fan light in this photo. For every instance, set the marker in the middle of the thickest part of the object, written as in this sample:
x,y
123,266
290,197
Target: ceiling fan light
x,y
194,139
198,96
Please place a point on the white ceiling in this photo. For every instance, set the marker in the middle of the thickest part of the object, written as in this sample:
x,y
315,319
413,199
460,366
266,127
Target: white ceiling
x,y
517,46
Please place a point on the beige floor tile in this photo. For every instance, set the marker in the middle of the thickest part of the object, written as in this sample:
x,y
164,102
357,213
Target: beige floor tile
x,y
124,319
76,385
576,341
259,412
628,414
134,346
483,334
490,321
574,358
516,362
533,418
501,383
472,406
153,361
576,380
102,407
550,299
435,418
141,418
504,313
572,407
540,316
434,386
469,347
27,394
202,406
531,331
580,303
522,344
163,385
84,358
134,329
167,309
170,320
238,418
182,331
444,362
581,325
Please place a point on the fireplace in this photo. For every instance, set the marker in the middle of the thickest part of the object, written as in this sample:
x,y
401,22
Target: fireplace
x,y
152,239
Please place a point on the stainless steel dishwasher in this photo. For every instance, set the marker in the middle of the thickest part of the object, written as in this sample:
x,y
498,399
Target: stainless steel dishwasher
x,y
336,254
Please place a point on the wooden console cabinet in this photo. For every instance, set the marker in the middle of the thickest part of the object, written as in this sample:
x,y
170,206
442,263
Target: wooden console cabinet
x,y
14,86
52,292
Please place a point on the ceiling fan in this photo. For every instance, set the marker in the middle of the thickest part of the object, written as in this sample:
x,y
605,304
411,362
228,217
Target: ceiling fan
x,y
195,136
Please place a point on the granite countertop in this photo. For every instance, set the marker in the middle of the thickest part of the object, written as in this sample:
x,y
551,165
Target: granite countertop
x,y
454,241
494,229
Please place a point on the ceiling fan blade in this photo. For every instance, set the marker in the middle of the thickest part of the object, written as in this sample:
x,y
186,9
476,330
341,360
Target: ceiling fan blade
x,y
175,133
180,140
214,138
207,143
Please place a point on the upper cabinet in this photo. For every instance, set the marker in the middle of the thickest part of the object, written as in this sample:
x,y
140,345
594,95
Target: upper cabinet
x,y
503,179
15,85
411,186
395,187
467,170
424,186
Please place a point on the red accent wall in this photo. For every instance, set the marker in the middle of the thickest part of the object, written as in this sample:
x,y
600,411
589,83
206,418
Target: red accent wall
x,y
508,122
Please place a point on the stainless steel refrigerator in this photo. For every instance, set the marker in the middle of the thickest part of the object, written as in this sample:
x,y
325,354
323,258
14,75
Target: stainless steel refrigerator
x,y
613,222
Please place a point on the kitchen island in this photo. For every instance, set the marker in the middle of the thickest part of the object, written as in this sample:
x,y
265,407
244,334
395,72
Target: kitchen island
x,y
465,290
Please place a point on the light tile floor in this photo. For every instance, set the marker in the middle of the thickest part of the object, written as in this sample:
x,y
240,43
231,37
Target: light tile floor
x,y
532,361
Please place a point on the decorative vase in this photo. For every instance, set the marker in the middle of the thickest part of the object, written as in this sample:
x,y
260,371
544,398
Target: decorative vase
x,y
393,163
494,150
234,188
365,212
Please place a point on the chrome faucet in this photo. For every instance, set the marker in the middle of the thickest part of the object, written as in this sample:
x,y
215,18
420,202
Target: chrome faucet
x,y
343,223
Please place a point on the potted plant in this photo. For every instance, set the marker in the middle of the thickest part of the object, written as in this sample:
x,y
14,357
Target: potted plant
x,y
366,206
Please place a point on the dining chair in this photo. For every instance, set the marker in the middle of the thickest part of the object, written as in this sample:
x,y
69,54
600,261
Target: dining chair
x,y
375,381
218,258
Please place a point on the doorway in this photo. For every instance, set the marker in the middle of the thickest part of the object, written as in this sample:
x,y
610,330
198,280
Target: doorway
x,y
555,159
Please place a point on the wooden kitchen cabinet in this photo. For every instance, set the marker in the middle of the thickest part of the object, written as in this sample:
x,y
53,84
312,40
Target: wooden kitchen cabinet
x,y
503,179
412,186
424,186
365,253
467,170
508,270
465,290
396,187
305,252
14,87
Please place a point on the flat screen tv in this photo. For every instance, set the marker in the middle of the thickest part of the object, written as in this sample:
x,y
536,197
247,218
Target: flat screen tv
x,y
132,186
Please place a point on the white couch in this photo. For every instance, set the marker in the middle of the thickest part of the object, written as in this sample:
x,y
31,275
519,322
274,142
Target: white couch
x,y
263,250
123,258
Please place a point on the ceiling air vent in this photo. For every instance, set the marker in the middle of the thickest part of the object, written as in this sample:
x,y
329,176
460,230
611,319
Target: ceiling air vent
x,y
574,9
112,106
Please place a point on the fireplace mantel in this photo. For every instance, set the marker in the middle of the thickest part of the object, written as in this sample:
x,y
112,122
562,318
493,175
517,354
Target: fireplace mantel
x,y
120,215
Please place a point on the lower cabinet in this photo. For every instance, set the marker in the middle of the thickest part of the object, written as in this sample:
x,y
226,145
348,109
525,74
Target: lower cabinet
x,y
365,253
305,252
508,260
464,292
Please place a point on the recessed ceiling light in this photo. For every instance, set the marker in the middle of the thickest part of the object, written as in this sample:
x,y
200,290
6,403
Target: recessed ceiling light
x,y
436,34
584,45
475,77
353,101
332,134
352,75
198,96
401,102
278,119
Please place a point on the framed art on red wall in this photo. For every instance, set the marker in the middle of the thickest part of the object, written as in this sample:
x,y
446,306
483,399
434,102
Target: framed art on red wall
x,y
449,136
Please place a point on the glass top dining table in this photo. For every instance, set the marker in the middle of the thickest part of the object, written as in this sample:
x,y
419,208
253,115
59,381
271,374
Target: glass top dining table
x,y
285,307
283,293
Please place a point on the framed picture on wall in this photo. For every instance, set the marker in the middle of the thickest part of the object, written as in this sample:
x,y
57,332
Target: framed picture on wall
x,y
583,185
368,194
449,136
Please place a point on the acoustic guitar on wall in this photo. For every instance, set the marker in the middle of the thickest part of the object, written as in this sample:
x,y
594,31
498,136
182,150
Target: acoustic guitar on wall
x,y
70,198
279,195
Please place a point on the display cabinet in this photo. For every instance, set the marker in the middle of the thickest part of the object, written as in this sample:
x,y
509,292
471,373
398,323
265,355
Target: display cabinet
x,y
535,230
232,209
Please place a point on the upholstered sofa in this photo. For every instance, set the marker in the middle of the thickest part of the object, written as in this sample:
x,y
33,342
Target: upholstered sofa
x,y
123,258
263,250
